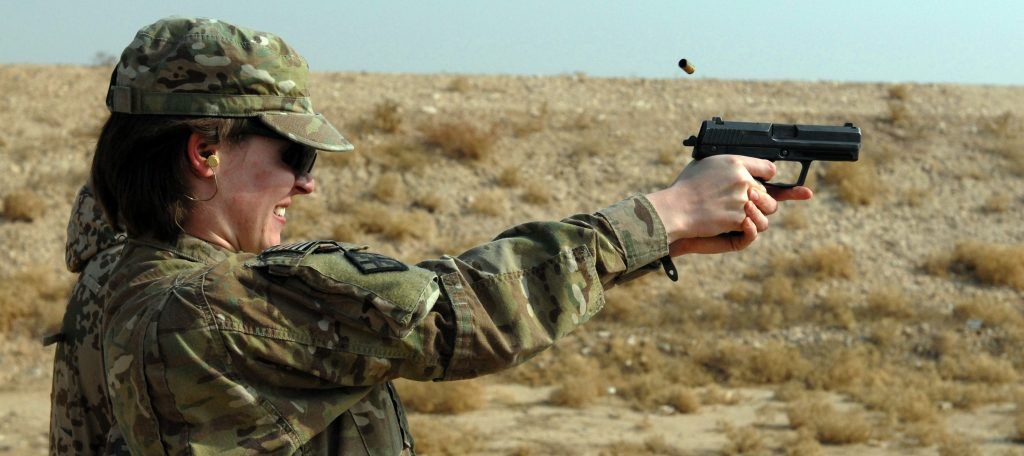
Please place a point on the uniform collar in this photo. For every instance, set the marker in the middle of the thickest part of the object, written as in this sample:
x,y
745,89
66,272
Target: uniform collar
x,y
187,247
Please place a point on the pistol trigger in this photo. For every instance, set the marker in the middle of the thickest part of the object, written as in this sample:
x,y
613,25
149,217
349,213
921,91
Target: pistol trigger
x,y
805,166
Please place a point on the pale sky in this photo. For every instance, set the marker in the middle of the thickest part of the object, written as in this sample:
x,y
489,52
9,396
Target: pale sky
x,y
953,41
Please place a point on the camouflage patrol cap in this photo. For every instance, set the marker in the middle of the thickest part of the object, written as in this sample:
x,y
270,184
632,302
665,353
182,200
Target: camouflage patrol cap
x,y
205,67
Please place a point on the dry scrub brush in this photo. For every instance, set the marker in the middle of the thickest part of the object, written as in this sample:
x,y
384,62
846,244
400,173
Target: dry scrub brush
x,y
384,118
583,386
736,363
357,218
433,437
1003,135
745,440
855,183
655,446
828,425
23,206
399,152
442,397
32,301
989,263
459,139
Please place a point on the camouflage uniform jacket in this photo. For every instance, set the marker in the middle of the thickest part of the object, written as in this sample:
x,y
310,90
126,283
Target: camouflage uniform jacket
x,y
80,416
291,351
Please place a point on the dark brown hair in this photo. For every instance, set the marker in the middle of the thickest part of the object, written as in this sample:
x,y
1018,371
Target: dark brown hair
x,y
138,170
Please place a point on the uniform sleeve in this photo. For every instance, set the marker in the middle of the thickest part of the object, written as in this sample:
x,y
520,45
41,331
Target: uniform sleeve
x,y
515,296
315,315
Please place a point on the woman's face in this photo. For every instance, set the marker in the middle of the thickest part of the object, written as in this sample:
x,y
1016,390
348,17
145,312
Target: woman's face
x,y
255,188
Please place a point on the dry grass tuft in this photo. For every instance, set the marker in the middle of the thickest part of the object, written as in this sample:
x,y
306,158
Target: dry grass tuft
x,y
926,433
746,440
389,188
856,182
899,114
904,403
668,156
651,446
459,84
445,398
889,302
431,202
885,333
399,152
843,368
537,192
771,363
989,311
835,310
384,118
490,202
589,147
828,261
435,438
510,177
529,123
583,387
989,263
899,92
715,395
828,425
957,445
583,121
682,399
977,368
1005,125
1005,137
357,218
804,444
460,140
33,300
997,203
23,206
651,390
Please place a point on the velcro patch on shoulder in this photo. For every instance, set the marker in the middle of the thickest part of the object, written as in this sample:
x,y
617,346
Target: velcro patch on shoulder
x,y
321,246
370,263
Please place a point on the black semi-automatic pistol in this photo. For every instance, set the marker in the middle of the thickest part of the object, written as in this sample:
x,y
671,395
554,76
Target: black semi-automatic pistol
x,y
774,141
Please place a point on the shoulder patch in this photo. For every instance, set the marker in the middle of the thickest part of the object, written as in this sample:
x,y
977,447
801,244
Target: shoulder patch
x,y
321,246
369,262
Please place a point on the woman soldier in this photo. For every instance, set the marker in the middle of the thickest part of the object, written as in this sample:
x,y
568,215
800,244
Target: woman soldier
x,y
218,340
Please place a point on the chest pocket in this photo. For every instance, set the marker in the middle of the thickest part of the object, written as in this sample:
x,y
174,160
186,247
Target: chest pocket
x,y
390,296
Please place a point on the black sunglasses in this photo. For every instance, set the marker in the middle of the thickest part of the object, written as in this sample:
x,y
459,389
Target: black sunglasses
x,y
300,158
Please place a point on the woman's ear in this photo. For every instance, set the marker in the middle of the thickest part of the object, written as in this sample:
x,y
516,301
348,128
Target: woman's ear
x,y
202,157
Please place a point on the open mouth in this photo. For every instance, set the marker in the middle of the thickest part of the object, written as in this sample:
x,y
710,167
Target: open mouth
x,y
280,211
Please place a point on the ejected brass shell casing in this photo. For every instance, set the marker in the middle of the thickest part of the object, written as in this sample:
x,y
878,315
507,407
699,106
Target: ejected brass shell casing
x,y
686,66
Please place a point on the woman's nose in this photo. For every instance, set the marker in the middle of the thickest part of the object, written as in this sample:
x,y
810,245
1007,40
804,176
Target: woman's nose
x,y
305,183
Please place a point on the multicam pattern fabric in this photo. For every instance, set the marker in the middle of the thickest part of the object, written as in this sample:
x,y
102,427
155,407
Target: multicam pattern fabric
x,y
209,68
293,350
80,417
